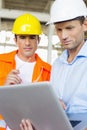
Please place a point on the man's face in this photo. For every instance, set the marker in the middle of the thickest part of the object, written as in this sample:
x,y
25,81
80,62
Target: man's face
x,y
27,45
71,34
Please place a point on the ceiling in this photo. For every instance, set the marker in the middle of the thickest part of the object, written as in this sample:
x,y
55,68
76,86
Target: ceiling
x,y
11,9
31,5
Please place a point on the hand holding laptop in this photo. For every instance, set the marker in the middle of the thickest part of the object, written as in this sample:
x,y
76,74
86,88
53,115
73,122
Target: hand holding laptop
x,y
62,104
26,125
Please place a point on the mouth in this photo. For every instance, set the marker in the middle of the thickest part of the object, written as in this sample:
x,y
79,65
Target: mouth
x,y
66,42
28,49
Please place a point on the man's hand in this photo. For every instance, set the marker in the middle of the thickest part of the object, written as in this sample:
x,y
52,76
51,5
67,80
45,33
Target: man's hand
x,y
13,78
26,125
62,104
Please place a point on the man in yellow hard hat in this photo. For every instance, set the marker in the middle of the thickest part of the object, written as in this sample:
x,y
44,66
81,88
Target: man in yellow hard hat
x,y
24,65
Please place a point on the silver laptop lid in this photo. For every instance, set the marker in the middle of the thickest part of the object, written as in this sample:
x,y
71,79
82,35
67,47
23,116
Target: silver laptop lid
x,y
36,101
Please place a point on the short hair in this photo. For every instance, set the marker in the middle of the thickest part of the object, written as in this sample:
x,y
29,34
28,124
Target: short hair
x,y
81,19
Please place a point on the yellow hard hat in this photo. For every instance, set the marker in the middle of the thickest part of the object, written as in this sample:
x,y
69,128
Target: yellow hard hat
x,y
27,24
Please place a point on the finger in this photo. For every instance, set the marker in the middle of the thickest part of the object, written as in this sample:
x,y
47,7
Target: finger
x,y
13,79
14,72
29,125
62,104
23,125
26,125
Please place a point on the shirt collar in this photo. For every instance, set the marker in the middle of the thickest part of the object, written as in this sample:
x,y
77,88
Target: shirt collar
x,y
82,53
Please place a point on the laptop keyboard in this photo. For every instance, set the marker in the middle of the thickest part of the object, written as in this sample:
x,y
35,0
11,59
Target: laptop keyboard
x,y
74,122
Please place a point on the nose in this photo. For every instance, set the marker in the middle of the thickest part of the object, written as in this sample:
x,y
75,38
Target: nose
x,y
27,41
64,34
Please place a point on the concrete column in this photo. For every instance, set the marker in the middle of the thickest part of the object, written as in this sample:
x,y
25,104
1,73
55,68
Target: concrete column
x,y
50,34
1,6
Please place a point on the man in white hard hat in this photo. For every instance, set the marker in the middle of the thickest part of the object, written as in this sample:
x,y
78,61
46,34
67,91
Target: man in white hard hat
x,y
69,71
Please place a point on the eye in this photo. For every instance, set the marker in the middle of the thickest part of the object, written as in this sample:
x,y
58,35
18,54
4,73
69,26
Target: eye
x,y
70,27
32,36
22,37
58,29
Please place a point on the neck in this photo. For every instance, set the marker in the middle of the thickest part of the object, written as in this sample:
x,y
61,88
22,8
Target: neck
x,y
27,59
73,52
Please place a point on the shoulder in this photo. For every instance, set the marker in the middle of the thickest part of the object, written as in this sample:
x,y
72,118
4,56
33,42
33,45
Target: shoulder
x,y
8,55
42,63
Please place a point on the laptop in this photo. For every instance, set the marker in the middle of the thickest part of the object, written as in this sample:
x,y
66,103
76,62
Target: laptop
x,y
36,101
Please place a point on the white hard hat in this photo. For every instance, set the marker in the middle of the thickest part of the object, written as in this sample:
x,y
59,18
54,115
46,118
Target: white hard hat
x,y
63,10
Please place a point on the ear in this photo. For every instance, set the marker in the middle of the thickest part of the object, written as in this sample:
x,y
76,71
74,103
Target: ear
x,y
85,25
15,40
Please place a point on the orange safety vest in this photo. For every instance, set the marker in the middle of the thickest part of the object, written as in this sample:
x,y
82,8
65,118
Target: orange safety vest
x,y
41,70
2,123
